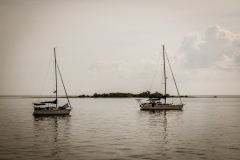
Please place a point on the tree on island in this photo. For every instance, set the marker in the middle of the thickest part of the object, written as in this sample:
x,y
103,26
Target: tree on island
x,y
119,94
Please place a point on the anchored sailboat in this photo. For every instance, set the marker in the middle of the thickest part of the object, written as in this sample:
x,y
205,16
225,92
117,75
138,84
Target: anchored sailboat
x,y
51,107
155,103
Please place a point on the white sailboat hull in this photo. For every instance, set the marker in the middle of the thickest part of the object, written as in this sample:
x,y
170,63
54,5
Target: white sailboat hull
x,y
161,106
52,112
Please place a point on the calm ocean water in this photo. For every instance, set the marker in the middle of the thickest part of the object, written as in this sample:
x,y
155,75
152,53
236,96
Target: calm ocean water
x,y
207,128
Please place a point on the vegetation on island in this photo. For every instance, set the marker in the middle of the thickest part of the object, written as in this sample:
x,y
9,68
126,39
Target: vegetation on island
x,y
126,95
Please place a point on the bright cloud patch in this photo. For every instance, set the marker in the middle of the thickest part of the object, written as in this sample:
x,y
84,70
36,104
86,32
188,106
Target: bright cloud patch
x,y
219,48
141,68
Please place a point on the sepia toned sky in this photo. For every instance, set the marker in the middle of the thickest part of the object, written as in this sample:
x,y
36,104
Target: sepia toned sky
x,y
114,46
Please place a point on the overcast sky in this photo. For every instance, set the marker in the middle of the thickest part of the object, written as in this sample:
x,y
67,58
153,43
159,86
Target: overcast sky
x,y
114,46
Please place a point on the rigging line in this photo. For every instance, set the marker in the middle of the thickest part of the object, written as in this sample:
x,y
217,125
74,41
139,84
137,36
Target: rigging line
x,y
154,76
45,77
159,88
64,86
173,100
173,78
161,84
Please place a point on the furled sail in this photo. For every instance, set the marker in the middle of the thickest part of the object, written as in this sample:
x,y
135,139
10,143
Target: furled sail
x,y
39,104
157,97
53,102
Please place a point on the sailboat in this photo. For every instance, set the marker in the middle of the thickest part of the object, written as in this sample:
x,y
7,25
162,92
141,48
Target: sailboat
x,y
155,102
51,107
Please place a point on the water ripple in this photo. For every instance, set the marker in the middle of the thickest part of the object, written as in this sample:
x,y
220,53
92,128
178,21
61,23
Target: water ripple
x,y
117,129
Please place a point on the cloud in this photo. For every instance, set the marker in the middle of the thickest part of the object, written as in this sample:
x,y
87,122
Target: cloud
x,y
218,49
229,62
118,69
141,68
191,42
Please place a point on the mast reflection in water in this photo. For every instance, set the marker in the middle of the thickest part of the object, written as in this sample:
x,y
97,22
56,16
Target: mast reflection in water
x,y
52,134
157,130
114,128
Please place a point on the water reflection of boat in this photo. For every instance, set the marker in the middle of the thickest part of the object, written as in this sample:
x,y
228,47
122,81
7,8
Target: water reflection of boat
x,y
157,129
51,107
51,132
155,102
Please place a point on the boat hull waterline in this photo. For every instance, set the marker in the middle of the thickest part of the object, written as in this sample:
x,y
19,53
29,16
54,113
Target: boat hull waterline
x,y
52,112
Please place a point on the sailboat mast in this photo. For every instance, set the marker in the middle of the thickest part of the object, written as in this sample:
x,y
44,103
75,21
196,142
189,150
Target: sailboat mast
x,y
165,85
55,74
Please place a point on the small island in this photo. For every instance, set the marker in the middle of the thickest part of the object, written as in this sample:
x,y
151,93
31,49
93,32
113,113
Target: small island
x,y
126,95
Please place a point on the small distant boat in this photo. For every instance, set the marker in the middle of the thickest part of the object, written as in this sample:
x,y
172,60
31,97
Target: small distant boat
x,y
51,107
155,102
